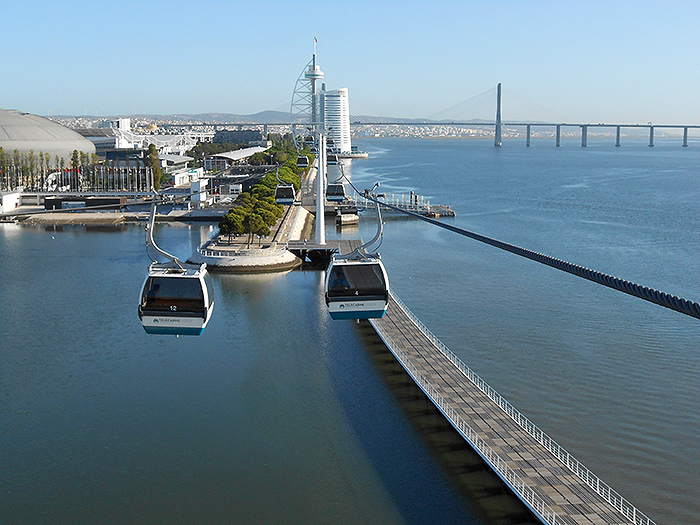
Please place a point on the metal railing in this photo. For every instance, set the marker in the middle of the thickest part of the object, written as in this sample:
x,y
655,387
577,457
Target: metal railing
x,y
410,202
241,252
525,492
600,487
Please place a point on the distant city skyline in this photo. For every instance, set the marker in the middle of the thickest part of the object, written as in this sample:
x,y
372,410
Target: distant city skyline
x,y
627,61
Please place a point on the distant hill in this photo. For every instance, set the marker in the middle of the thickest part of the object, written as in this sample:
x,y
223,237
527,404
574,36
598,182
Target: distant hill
x,y
369,119
263,117
267,117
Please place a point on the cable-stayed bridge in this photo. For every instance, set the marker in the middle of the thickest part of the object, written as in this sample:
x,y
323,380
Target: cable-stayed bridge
x,y
481,111
471,112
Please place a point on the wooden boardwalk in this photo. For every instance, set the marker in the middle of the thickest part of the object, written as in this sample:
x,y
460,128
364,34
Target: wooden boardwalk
x,y
553,484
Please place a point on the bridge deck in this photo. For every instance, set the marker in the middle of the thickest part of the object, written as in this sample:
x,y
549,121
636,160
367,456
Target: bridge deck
x,y
541,480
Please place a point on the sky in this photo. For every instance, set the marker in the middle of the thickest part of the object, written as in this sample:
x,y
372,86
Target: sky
x,y
619,61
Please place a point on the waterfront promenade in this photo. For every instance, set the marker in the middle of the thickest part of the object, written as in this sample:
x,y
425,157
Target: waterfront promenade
x,y
239,254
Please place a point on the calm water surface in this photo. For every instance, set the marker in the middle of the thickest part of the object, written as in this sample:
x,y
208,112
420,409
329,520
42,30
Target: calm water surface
x,y
277,415
274,415
612,378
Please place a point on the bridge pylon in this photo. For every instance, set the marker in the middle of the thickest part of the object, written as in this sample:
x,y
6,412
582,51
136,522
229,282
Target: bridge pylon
x,y
497,139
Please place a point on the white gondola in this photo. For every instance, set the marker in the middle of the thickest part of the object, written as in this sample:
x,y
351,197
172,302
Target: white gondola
x,y
302,161
357,288
176,298
357,285
335,192
284,194
331,159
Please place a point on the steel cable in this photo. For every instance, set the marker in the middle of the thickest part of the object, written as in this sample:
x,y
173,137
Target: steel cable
x,y
660,298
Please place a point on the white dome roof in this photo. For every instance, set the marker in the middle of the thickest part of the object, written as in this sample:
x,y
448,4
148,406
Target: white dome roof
x,y
24,132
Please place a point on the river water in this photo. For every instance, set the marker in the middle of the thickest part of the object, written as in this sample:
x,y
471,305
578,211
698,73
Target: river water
x,y
276,414
612,378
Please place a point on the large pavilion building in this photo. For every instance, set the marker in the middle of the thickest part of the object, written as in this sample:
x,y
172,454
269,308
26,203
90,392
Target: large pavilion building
x,y
25,132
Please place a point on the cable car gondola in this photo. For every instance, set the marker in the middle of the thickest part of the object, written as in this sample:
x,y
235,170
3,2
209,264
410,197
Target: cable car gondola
x,y
331,159
357,285
176,298
284,194
357,288
335,192
302,161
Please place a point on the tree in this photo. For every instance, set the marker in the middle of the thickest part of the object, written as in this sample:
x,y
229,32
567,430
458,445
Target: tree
x,y
280,157
257,159
232,223
4,183
253,224
267,216
153,161
225,228
271,206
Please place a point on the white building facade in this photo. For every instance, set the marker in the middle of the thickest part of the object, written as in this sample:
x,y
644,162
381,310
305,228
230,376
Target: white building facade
x,y
336,115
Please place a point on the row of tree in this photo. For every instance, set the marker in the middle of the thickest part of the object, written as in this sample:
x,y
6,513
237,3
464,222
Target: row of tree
x,y
256,210
29,169
33,172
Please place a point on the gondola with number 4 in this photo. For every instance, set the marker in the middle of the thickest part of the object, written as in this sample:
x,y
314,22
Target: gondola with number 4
x,y
357,285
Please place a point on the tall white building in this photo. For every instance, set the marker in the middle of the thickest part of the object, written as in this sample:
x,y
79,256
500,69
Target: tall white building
x,y
336,117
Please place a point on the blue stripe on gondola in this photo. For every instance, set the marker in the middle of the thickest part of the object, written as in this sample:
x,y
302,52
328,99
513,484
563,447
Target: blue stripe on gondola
x,y
173,330
366,314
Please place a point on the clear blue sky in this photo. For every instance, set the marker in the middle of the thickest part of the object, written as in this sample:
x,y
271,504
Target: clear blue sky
x,y
587,61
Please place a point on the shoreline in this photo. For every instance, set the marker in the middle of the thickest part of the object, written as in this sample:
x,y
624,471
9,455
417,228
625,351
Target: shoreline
x,y
240,258
220,255
36,216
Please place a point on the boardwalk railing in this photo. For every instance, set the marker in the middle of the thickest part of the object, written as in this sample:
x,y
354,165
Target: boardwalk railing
x,y
478,443
599,486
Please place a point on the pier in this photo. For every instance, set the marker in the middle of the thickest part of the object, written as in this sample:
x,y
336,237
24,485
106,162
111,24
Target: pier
x,y
545,477
391,204
551,483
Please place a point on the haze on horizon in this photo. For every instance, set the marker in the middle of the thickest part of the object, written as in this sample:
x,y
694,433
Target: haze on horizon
x,y
625,62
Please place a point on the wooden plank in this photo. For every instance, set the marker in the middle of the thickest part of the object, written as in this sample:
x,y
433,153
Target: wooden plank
x,y
556,485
